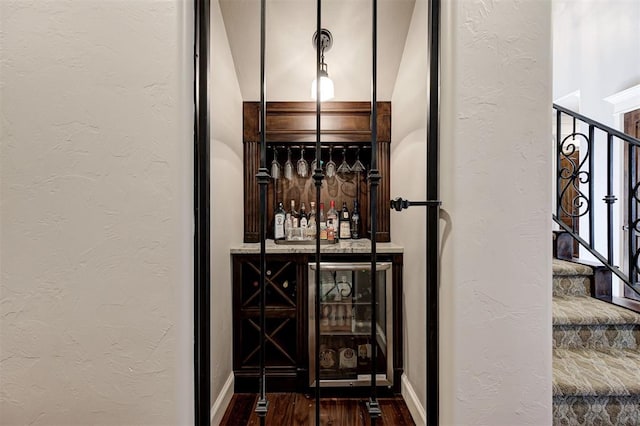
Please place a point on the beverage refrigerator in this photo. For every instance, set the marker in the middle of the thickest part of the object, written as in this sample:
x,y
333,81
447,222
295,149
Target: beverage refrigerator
x,y
345,344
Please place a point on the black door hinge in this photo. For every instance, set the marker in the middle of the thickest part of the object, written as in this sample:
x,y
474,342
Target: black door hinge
x,y
398,204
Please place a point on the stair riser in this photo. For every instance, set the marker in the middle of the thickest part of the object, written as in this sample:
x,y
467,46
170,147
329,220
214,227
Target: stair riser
x,y
572,285
596,410
596,337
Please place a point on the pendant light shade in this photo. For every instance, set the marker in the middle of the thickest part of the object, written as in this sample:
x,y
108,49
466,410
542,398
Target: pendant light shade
x,y
326,87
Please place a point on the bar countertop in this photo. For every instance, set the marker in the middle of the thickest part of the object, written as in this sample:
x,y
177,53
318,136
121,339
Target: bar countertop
x,y
361,246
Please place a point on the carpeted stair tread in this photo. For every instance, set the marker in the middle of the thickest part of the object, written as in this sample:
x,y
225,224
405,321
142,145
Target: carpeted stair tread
x,y
590,372
570,310
563,268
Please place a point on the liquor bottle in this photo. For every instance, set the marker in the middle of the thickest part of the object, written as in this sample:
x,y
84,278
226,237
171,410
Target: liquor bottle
x,y
288,224
332,220
311,224
355,221
323,223
345,223
331,233
279,218
303,219
295,219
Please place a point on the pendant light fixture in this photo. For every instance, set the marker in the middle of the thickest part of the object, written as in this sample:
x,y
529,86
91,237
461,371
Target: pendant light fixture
x,y
326,84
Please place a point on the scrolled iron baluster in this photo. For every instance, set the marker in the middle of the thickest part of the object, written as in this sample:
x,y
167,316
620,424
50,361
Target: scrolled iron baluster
x,y
572,176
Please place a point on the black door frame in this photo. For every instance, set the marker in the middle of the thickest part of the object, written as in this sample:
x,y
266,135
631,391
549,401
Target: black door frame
x,y
201,205
202,209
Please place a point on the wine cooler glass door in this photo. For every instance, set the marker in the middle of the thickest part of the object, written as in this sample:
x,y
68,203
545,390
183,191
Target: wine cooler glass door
x,y
345,321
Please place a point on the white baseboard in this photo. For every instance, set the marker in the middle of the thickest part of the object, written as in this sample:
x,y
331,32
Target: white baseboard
x,y
222,401
413,403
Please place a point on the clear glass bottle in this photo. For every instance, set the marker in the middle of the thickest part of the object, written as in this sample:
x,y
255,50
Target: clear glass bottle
x,y
323,223
288,225
311,223
332,221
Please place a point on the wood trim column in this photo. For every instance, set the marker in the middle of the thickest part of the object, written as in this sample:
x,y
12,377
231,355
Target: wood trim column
x,y
383,234
251,160
384,168
251,192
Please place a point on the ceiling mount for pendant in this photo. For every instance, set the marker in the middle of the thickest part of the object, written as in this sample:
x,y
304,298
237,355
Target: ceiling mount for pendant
x,y
326,40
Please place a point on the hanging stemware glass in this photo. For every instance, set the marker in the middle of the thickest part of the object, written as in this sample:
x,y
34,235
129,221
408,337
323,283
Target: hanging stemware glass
x,y
314,164
344,166
288,166
275,166
358,167
330,170
302,166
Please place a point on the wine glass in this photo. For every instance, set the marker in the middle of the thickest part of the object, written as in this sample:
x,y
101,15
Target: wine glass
x,y
344,166
275,166
358,166
288,166
302,166
331,166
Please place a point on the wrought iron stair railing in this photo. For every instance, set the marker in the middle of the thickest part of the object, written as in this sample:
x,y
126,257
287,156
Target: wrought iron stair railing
x,y
596,162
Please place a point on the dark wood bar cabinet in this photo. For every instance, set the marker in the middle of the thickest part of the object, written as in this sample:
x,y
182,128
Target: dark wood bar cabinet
x,y
288,319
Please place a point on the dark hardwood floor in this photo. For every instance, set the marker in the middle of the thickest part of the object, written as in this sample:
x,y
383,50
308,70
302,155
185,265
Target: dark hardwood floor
x,y
292,409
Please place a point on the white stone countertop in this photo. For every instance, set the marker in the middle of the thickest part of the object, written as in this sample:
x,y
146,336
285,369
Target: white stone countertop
x,y
355,246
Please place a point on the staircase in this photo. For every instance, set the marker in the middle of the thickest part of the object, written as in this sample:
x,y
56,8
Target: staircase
x,y
596,353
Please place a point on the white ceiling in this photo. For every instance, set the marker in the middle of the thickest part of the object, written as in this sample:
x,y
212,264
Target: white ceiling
x,y
291,58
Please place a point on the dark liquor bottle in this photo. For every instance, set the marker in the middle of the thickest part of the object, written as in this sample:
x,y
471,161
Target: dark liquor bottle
x,y
304,220
295,219
345,222
355,221
278,222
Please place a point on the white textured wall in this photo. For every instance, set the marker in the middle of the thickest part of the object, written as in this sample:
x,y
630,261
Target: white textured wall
x,y
96,212
496,177
408,180
596,50
226,195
